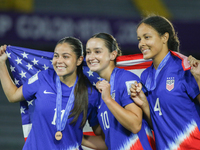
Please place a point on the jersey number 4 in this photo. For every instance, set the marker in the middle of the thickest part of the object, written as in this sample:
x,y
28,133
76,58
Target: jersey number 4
x,y
157,107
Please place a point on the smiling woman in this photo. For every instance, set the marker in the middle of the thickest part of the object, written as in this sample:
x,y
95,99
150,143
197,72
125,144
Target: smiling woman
x,y
120,118
65,63
171,102
64,99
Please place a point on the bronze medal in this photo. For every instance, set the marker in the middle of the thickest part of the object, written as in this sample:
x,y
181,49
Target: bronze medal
x,y
58,135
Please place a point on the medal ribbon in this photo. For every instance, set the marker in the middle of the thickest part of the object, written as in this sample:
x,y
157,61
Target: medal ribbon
x,y
150,76
112,80
60,124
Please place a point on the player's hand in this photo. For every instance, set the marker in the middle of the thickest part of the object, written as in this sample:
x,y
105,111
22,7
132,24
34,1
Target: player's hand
x,y
195,65
104,89
137,95
3,55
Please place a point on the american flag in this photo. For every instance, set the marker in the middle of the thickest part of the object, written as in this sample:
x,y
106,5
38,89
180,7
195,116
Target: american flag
x,y
24,63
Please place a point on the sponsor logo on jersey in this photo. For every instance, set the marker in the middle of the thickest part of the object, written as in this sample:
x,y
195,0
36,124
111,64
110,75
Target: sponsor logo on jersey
x,y
45,92
170,83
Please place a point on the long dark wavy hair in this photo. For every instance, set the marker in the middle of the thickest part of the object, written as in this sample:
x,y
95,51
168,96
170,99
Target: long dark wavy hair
x,y
81,90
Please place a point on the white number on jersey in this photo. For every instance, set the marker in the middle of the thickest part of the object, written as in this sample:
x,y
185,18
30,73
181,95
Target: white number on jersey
x,y
105,120
55,116
157,107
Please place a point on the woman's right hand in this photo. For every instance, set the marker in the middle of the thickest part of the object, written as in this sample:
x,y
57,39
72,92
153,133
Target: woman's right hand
x,y
138,95
3,55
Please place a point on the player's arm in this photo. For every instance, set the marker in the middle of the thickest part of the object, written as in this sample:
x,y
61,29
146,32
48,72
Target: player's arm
x,y
140,99
95,142
129,117
12,92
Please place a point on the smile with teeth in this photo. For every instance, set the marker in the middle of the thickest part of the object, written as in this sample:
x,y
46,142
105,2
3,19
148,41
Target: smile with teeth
x,y
145,50
59,67
93,63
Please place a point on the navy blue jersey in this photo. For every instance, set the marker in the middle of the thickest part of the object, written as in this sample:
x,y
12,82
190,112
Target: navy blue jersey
x,y
174,115
116,136
42,88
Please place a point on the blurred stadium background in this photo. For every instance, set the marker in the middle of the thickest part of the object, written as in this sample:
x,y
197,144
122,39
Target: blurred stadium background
x,y
39,24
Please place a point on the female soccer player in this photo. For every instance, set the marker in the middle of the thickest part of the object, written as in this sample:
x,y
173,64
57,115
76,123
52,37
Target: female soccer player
x,y
119,117
171,93
63,98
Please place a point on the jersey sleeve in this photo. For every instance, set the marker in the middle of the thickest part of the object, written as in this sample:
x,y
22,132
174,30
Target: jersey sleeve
x,y
31,86
93,98
190,84
127,79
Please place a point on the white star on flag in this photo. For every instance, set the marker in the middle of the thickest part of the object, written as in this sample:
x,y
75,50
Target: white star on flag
x,y
25,55
30,102
45,67
12,69
8,54
29,66
22,110
90,73
22,74
35,62
16,82
19,61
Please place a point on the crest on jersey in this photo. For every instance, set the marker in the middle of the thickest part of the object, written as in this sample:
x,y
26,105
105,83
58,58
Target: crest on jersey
x,y
170,83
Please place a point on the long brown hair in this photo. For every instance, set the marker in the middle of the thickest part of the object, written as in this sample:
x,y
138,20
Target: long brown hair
x,y
81,90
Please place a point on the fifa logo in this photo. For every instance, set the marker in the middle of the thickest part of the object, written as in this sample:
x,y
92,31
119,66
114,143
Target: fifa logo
x,y
170,83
